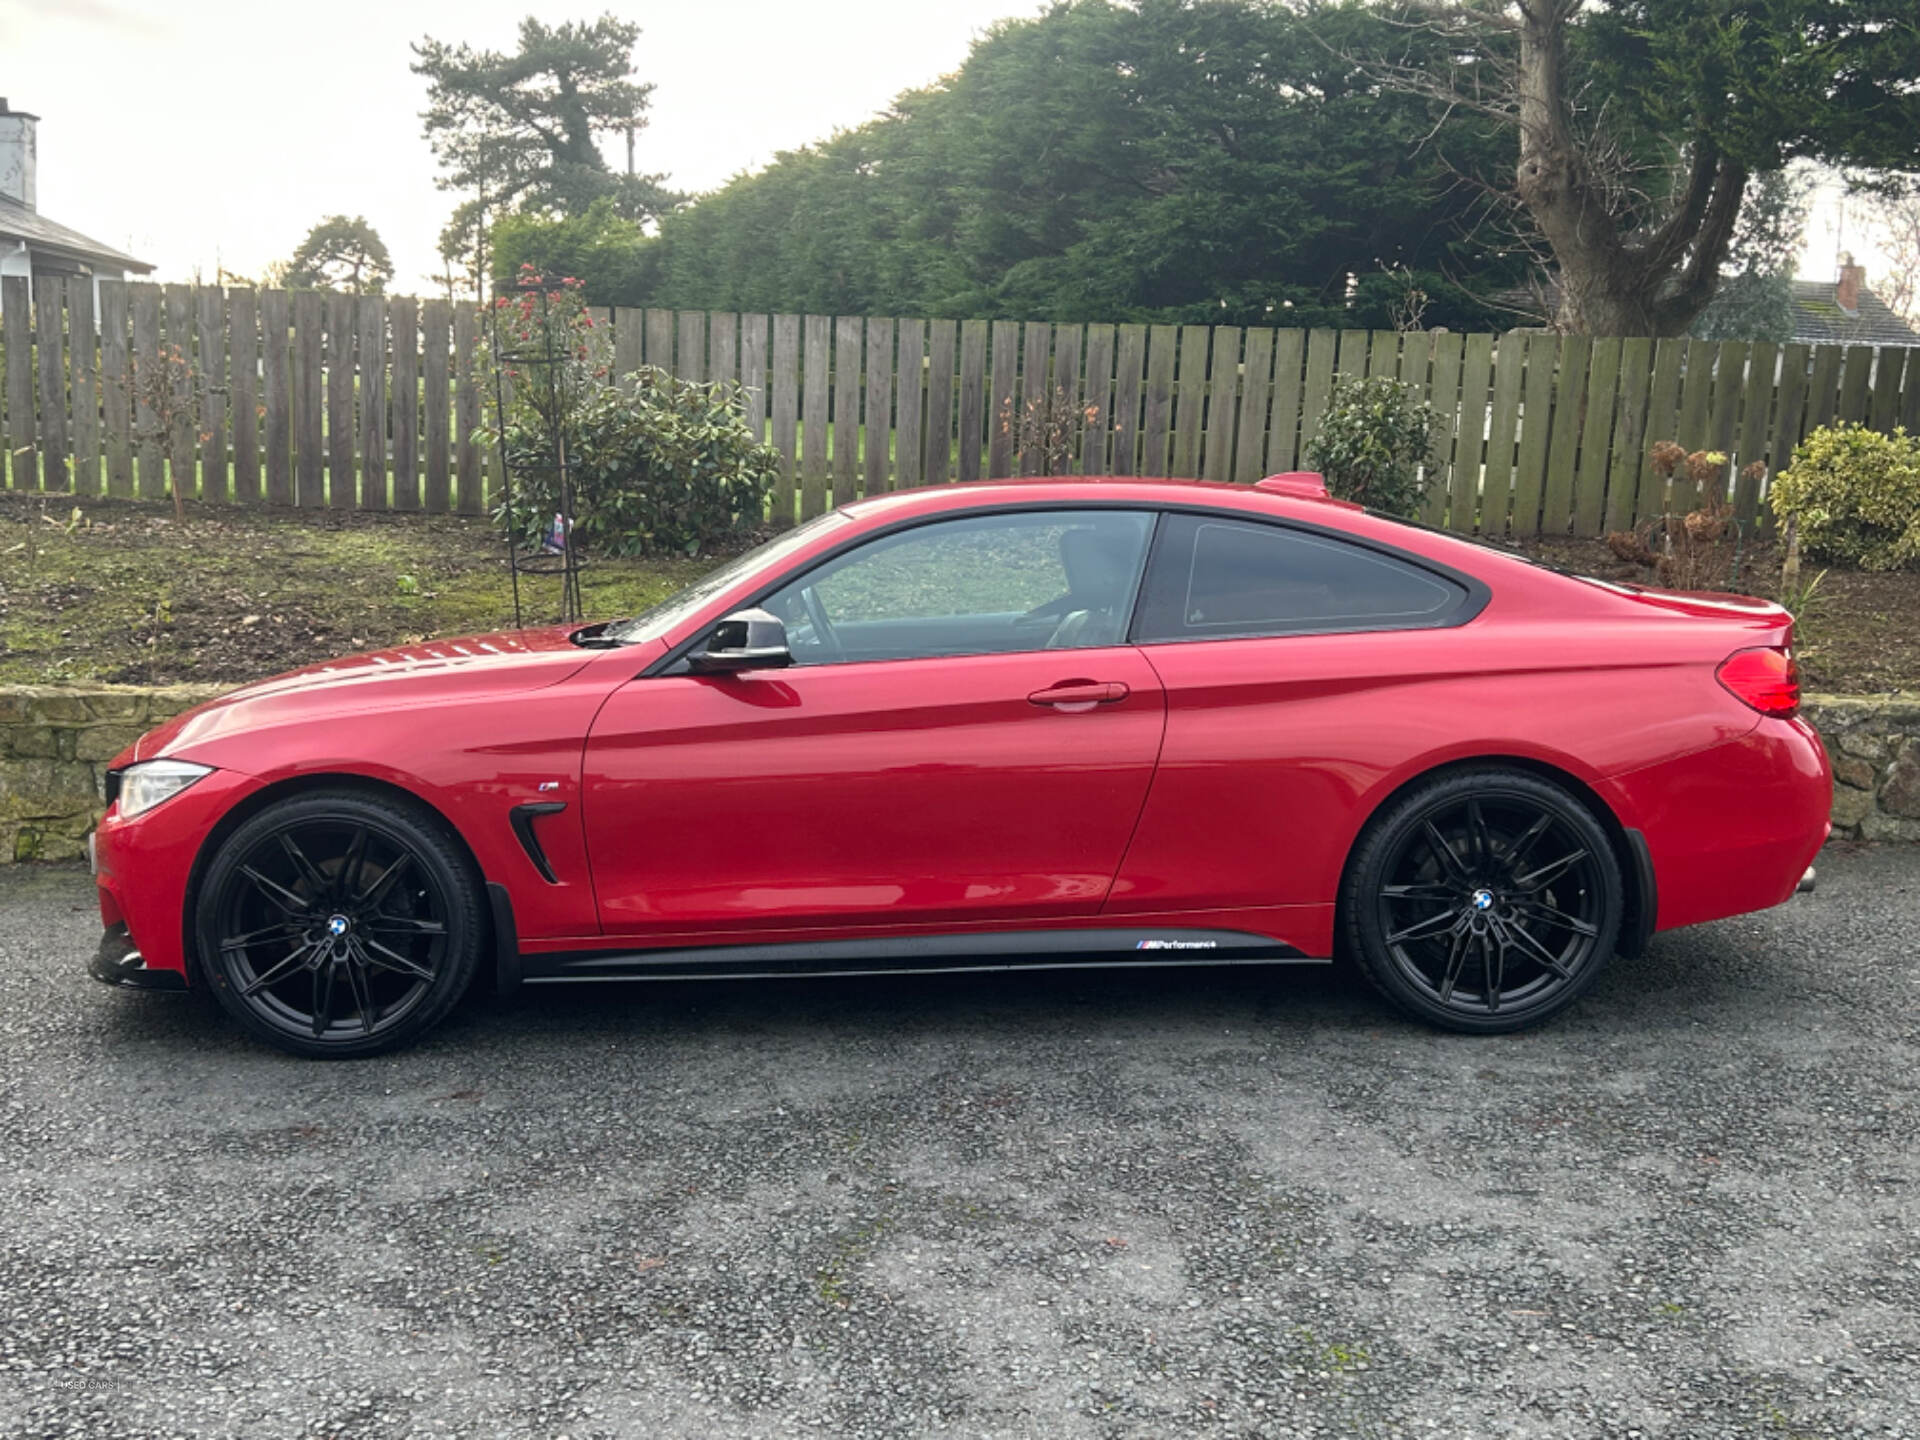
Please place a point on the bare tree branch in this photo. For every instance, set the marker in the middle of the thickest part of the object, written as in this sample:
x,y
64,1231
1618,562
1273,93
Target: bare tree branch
x,y
1622,253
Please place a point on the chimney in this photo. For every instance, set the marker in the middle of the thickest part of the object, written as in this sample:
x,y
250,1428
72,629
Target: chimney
x,y
17,162
1847,293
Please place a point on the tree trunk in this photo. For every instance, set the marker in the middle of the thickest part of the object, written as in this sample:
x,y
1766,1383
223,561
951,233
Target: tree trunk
x,y
1599,312
1656,286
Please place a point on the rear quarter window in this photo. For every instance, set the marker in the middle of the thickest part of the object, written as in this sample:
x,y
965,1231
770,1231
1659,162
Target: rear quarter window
x,y
1217,578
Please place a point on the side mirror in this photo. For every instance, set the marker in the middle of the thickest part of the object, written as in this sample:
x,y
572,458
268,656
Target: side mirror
x,y
745,640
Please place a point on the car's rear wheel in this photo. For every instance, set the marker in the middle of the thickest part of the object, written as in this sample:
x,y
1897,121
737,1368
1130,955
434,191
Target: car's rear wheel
x,y
1484,901
339,924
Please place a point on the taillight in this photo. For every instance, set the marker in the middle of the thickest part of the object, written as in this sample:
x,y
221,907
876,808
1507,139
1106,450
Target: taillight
x,y
1765,678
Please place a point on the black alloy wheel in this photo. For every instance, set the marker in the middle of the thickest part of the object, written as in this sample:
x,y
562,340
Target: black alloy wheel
x,y
1484,901
339,924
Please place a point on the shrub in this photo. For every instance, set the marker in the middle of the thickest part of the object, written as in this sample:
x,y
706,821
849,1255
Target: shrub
x,y
658,465
1854,495
1687,552
1373,443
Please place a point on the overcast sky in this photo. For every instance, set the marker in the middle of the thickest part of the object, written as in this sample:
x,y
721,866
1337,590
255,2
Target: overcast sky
x,y
204,133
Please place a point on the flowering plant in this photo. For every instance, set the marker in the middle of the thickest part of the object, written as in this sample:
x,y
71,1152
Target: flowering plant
x,y
552,361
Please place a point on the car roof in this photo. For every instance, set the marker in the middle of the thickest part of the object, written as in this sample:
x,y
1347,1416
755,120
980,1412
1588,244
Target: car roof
x,y
1053,488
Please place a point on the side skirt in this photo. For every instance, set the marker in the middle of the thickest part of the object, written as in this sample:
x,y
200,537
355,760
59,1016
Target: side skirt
x,y
920,955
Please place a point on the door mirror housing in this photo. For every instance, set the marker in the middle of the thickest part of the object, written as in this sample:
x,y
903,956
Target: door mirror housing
x,y
745,640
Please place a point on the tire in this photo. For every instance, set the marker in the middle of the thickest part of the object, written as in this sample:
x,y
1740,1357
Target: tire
x,y
1483,901
340,924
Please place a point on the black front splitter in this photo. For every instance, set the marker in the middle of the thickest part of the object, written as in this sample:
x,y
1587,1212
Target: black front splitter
x,y
116,962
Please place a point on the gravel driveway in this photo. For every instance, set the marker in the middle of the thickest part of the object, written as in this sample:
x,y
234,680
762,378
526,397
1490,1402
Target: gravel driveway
x,y
1237,1203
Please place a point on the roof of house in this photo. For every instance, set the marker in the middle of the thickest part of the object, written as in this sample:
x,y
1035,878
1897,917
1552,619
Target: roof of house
x,y
17,222
1818,318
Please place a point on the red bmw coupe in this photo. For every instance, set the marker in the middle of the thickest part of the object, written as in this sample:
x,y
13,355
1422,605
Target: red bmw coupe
x,y
1000,726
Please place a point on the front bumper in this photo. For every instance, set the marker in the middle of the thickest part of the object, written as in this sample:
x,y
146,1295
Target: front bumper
x,y
117,962
142,869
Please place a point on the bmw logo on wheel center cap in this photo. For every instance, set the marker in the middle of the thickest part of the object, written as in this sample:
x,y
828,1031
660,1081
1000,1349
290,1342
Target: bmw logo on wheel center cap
x,y
339,925
1482,900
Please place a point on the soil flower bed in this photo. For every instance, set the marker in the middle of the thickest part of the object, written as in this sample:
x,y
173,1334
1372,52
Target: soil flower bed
x,y
130,596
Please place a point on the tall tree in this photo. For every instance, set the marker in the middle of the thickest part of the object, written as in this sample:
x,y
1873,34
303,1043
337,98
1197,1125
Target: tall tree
x,y
523,131
1200,160
1638,124
342,252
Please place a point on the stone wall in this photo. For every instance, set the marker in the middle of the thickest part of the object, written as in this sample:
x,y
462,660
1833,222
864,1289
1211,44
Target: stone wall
x,y
1874,743
55,742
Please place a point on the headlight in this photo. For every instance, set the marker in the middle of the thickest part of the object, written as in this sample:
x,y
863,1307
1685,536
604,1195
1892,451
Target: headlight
x,y
145,785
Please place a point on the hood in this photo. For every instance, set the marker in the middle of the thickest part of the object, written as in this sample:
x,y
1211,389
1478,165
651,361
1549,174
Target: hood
x,y
499,655
431,673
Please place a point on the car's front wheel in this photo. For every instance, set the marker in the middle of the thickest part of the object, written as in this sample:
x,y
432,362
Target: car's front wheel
x,y
339,924
1484,900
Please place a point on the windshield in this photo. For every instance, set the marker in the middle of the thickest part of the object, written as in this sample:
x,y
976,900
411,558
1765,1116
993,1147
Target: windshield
x,y
652,623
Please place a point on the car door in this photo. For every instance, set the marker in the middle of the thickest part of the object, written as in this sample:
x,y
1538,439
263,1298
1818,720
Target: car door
x,y
964,735
1299,666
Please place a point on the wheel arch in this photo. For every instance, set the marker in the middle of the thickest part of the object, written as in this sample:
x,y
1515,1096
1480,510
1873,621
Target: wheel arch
x,y
1639,900
286,789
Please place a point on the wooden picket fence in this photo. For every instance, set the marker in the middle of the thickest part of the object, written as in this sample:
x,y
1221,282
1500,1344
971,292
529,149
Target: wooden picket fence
x,y
378,402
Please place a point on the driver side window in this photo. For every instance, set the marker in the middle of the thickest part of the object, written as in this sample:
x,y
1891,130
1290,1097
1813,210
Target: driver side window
x,y
979,585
